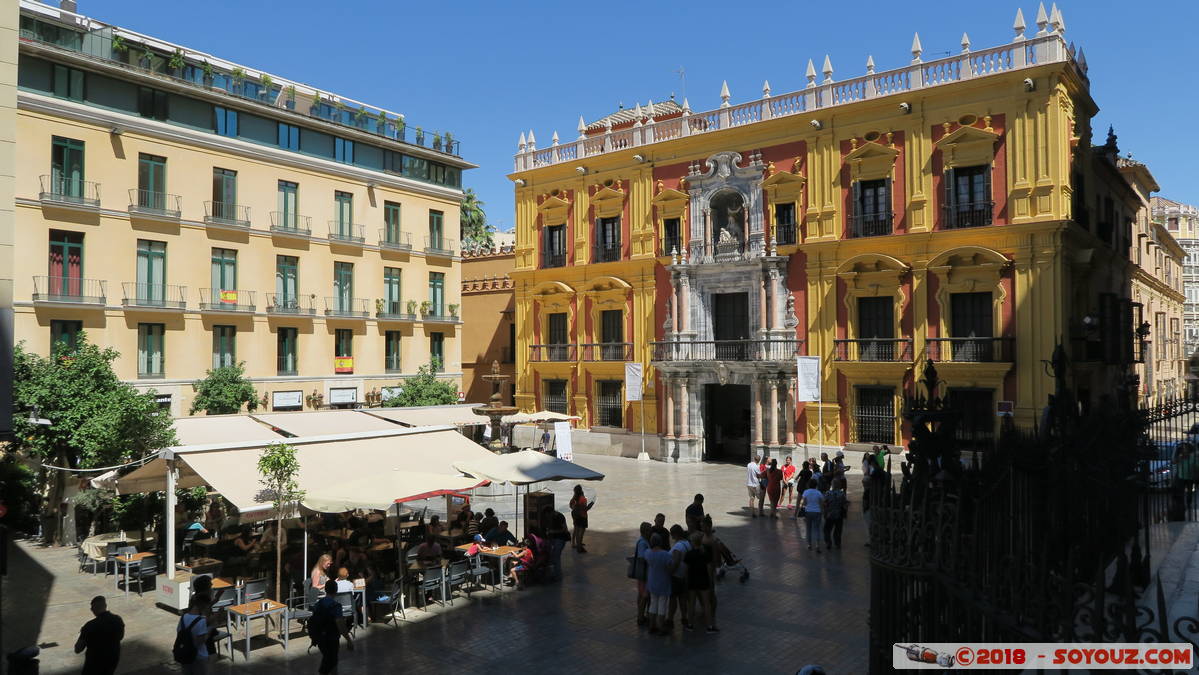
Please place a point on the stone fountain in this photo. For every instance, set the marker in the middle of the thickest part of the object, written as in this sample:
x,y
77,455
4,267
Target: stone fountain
x,y
495,410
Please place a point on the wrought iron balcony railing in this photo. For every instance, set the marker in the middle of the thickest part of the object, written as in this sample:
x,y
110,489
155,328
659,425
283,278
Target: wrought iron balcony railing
x,y
972,214
395,240
608,351
672,244
439,246
350,233
300,305
286,222
226,213
727,350
152,203
550,259
873,349
226,300
74,290
285,364
160,296
785,233
606,253
970,349
552,353
393,311
63,190
354,308
870,224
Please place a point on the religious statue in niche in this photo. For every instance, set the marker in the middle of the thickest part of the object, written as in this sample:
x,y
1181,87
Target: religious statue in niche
x,y
728,216
668,323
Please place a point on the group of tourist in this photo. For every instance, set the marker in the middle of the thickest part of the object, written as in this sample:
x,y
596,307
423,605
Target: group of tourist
x,y
676,571
820,486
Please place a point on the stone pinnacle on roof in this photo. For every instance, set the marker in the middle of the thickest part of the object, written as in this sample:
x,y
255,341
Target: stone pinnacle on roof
x,y
1042,20
532,141
521,143
965,43
766,89
827,69
810,73
554,140
870,65
686,105
1055,18
917,50
1018,25
582,128
638,115
724,94
650,113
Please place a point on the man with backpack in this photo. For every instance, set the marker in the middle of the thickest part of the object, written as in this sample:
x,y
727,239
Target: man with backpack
x,y
327,626
836,506
191,635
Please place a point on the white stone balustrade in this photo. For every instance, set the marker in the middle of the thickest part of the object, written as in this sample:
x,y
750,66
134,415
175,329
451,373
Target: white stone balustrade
x,y
1047,46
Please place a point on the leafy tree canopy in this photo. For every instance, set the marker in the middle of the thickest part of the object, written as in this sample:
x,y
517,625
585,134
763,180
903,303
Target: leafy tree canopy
x,y
95,419
424,389
223,392
278,468
473,221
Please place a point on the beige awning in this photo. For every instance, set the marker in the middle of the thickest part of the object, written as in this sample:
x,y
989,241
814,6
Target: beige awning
x,y
540,416
461,415
324,422
524,467
222,429
364,466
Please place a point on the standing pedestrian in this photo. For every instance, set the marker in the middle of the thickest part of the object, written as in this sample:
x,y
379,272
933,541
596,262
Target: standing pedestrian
x,y
805,475
699,582
839,465
836,507
810,504
660,528
558,534
326,627
752,483
826,472
678,580
774,486
545,440
658,568
191,637
640,572
789,480
694,514
101,637
763,464
579,506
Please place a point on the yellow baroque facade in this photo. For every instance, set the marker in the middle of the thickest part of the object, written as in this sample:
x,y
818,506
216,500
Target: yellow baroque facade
x,y
952,211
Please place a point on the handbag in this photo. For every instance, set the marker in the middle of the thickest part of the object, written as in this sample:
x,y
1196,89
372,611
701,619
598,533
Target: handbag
x,y
636,565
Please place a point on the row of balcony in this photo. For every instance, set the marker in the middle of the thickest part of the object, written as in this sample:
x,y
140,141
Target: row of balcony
x,y
78,291
899,350
164,206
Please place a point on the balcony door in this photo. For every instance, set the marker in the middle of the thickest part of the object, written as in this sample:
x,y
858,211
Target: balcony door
x,y
971,316
612,334
66,263
343,286
151,181
730,325
876,329
224,194
224,273
287,281
66,167
557,339
151,271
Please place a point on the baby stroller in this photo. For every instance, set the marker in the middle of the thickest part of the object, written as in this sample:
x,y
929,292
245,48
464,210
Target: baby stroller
x,y
730,563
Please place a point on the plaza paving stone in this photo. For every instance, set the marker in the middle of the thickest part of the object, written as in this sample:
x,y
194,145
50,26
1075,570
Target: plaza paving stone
x,y
797,607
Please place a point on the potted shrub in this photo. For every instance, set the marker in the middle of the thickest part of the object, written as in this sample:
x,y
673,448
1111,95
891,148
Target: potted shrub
x,y
381,123
206,67
291,97
426,307
267,83
239,77
412,307
449,142
315,108
436,141
453,310
400,128
360,118
380,306
176,63
420,136
119,46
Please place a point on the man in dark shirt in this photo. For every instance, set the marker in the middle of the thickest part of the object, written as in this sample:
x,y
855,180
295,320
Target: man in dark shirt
x,y
694,514
660,528
500,535
489,522
101,637
326,628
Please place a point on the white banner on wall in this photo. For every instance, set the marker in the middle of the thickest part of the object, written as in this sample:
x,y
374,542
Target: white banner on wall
x,y
632,381
808,371
562,441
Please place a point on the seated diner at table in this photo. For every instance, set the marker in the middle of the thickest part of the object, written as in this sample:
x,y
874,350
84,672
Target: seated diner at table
x,y
489,522
435,527
500,535
428,553
344,585
477,544
245,540
522,561
320,571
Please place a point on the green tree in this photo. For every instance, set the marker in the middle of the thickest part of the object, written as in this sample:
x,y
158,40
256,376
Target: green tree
x,y
279,468
473,227
223,391
424,389
95,419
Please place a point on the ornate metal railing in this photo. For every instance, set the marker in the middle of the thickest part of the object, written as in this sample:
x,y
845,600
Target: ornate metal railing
x,y
970,349
870,224
785,233
608,351
605,253
70,289
226,300
64,190
553,259
350,308
726,350
972,214
227,213
552,353
873,349
396,241
350,233
154,203
162,296
287,222
439,246
299,305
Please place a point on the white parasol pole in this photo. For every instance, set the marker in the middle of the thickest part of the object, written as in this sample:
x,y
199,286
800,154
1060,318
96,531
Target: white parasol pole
x,y
171,476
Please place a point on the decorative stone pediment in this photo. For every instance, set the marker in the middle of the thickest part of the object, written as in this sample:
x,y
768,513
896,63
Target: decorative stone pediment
x,y
783,186
967,146
608,201
553,209
871,161
602,284
871,270
670,202
553,295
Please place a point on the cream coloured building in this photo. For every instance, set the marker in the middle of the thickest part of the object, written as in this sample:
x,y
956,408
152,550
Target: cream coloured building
x,y
191,212
1182,222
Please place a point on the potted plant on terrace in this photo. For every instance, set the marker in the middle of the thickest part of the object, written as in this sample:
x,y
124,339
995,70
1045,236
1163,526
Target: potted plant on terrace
x,y
449,142
239,77
119,46
400,128
453,310
381,123
412,307
206,68
176,63
420,136
315,108
426,308
267,82
436,141
380,305
360,118
291,97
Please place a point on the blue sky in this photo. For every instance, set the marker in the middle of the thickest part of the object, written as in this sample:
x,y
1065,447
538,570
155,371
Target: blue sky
x,y
486,71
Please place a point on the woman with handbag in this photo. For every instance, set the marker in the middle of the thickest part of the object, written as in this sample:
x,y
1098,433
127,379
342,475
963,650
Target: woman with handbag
x,y
637,570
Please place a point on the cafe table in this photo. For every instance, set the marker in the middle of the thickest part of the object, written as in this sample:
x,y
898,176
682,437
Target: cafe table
x,y
124,563
499,553
220,586
239,617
